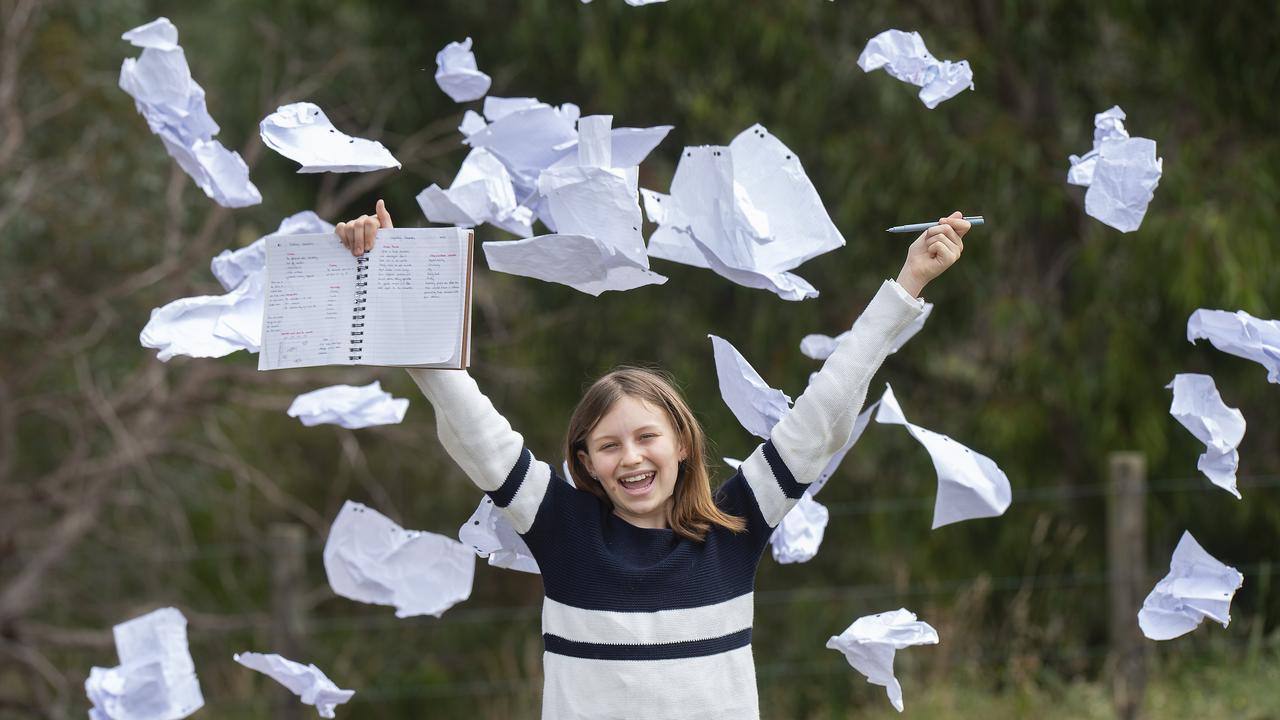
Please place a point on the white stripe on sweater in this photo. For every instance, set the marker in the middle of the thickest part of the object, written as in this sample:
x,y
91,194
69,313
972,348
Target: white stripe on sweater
x,y
714,687
647,628
524,506
773,503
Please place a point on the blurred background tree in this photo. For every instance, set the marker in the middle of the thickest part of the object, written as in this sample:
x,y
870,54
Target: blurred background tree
x,y
128,484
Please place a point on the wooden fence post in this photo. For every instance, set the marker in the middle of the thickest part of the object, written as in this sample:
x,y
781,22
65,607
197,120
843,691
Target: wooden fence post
x,y
1127,578
288,625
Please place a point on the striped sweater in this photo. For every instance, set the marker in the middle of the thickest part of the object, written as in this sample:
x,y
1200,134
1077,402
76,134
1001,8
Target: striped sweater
x,y
639,623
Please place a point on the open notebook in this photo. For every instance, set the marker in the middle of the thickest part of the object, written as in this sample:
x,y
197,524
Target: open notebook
x,y
407,303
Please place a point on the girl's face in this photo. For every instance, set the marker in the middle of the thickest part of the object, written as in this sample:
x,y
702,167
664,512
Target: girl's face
x,y
635,454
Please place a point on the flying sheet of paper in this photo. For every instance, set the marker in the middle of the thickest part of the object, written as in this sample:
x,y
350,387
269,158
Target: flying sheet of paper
x,y
629,146
371,559
748,209
799,535
231,267
208,326
311,685
871,642
173,104
588,195
820,347
970,485
756,405
472,122
1198,586
1124,183
457,73
491,535
481,192
583,263
1121,173
156,678
301,132
1200,409
1239,334
349,406
527,136
904,56
1108,125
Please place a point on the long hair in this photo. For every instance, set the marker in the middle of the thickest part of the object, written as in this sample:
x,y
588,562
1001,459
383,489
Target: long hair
x,y
693,511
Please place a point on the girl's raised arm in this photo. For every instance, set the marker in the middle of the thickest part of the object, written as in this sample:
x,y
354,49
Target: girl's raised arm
x,y
822,419
475,435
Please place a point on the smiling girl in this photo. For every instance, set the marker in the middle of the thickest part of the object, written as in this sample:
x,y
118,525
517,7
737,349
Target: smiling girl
x,y
648,576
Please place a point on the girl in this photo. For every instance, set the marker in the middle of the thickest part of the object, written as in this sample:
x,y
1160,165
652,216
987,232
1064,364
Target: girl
x,y
649,578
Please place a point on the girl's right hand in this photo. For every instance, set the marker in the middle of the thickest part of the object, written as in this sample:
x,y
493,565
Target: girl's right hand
x,y
358,235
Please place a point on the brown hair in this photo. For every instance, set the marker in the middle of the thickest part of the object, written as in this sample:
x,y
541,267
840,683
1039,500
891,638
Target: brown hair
x,y
693,511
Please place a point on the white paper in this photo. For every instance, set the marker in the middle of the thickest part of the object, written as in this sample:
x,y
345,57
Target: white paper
x,y
970,485
746,211
1198,586
208,326
592,197
629,146
1200,409
526,135
756,405
1124,183
308,682
904,56
457,74
349,406
156,678
301,132
583,263
481,192
371,559
159,33
231,267
1239,334
1121,173
173,104
1108,125
820,347
491,535
799,535
871,642
472,122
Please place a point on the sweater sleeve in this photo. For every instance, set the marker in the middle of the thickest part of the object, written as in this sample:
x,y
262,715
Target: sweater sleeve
x,y
822,419
484,445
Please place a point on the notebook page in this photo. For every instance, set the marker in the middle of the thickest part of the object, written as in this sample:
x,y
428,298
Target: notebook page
x,y
416,296
306,318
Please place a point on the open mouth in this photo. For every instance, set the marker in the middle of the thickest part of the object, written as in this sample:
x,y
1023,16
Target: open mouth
x,y
637,484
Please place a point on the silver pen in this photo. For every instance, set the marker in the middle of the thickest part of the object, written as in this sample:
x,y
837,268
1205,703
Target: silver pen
x,y
917,227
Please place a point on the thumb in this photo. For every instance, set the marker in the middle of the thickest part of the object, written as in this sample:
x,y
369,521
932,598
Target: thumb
x,y
955,214
384,217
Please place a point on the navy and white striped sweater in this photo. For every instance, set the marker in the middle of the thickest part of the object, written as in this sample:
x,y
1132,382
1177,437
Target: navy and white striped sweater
x,y
639,623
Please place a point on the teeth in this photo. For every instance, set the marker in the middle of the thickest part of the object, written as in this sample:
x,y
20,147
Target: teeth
x,y
637,479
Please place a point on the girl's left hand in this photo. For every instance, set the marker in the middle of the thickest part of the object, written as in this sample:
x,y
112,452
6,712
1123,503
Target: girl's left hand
x,y
937,249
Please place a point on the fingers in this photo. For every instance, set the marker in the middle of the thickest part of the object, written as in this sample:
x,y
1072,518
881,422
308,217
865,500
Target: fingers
x,y
361,226
943,235
343,231
384,217
944,251
957,221
358,235
944,230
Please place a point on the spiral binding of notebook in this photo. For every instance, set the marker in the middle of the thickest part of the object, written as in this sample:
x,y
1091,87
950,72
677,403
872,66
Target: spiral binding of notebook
x,y
356,346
